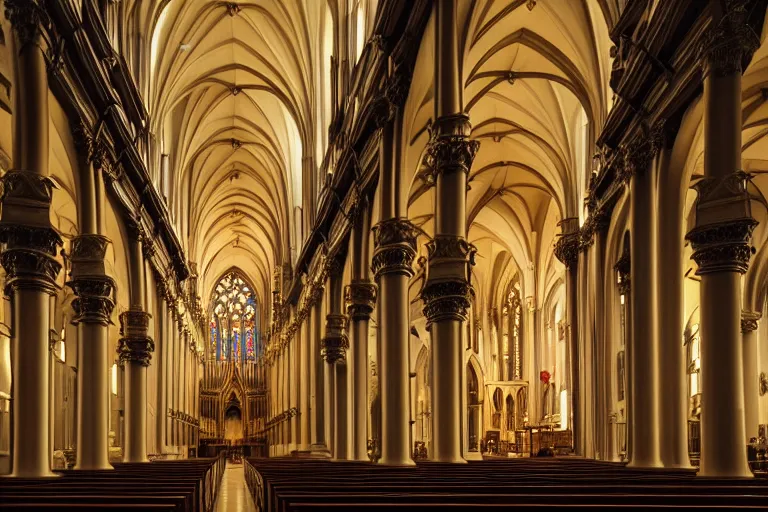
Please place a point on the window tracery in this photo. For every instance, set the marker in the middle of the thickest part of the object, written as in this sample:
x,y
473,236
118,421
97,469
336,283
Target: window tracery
x,y
234,320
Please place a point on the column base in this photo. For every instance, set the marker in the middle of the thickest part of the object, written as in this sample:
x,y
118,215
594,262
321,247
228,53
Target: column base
x,y
50,474
396,462
319,451
301,454
645,464
94,467
474,456
450,460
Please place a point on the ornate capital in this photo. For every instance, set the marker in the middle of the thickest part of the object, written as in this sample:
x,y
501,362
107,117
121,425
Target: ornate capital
x,y
90,147
26,185
638,154
749,321
567,249
360,299
93,303
446,300
729,43
135,345
395,241
451,149
722,247
28,18
29,259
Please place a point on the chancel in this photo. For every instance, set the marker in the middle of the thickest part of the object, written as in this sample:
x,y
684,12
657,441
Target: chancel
x,y
366,254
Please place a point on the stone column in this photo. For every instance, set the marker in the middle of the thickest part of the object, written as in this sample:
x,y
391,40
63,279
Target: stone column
x,y
304,379
749,321
567,251
360,298
639,156
721,244
295,376
335,345
93,307
623,267
319,446
162,373
135,350
31,245
447,290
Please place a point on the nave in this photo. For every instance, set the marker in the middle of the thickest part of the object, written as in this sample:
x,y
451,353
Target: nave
x,y
441,247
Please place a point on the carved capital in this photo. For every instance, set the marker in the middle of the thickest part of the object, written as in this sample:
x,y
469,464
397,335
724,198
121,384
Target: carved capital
x,y
26,185
451,247
93,303
91,148
135,345
395,241
638,154
722,247
567,249
29,259
446,300
360,299
28,19
451,149
749,322
729,43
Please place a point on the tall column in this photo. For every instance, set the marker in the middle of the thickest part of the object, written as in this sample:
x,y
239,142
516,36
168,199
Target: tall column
x,y
749,322
31,244
162,373
447,290
335,345
567,251
319,446
360,298
93,307
395,248
638,171
624,268
135,349
304,379
295,376
721,244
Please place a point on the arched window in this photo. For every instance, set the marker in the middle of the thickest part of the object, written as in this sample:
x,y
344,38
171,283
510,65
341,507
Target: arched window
x,y
234,320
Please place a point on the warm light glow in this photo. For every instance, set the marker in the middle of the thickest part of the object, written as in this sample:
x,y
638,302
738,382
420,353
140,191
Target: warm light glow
x,y
564,409
622,299
114,378
62,350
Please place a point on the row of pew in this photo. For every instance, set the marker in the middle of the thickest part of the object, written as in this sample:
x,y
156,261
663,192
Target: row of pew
x,y
161,485
284,484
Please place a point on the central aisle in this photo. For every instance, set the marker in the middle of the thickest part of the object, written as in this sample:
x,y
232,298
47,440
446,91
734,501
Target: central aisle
x,y
233,493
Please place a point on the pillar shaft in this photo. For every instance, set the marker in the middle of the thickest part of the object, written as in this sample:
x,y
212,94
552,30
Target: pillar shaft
x,y
644,341
360,297
31,245
749,322
721,245
319,439
567,251
304,384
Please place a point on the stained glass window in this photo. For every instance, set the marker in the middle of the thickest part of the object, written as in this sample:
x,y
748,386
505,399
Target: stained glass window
x,y
234,320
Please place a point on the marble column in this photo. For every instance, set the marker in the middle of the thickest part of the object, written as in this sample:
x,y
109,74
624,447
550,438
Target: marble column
x,y
93,307
567,251
135,350
721,244
31,244
447,290
319,445
749,322
360,299
304,379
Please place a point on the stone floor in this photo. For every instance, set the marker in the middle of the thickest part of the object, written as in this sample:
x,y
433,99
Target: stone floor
x,y
233,493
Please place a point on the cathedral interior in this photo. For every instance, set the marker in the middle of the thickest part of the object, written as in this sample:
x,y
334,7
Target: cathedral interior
x,y
257,252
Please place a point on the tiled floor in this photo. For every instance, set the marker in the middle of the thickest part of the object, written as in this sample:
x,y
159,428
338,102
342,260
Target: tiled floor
x,y
233,494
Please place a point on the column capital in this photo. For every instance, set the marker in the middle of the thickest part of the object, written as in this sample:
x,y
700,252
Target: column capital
x,y
360,299
93,288
90,147
567,249
395,241
335,343
28,19
729,42
637,155
446,300
135,345
749,321
451,149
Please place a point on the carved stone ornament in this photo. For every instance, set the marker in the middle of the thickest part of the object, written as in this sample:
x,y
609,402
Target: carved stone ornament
x,y
93,303
360,299
446,300
763,389
451,247
28,18
731,42
395,241
638,153
567,249
722,247
93,149
334,348
748,324
30,256
135,345
451,149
